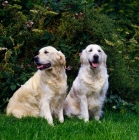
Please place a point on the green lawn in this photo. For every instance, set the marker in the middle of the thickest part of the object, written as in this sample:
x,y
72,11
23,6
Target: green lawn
x,y
113,126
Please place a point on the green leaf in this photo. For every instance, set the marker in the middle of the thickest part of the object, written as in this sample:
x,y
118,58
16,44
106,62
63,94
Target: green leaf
x,y
8,55
13,87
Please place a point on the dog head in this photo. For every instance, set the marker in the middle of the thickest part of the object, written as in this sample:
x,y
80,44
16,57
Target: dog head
x,y
48,57
94,56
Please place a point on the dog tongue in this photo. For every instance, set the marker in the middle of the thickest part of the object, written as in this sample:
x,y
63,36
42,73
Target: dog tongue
x,y
94,65
40,66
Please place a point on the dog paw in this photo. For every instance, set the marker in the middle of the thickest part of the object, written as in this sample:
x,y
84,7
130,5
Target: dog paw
x,y
82,118
86,120
61,120
97,118
51,123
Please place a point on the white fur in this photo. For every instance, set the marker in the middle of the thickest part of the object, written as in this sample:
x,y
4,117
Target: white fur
x,y
88,91
44,93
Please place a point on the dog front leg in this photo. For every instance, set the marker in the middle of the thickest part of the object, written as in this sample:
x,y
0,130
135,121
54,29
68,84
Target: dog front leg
x,y
84,114
60,115
97,113
46,112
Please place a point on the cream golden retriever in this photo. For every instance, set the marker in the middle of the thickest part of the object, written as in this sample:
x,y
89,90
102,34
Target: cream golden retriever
x,y
44,93
88,91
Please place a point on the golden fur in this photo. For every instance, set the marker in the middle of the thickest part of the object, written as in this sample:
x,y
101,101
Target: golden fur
x,y
44,93
88,91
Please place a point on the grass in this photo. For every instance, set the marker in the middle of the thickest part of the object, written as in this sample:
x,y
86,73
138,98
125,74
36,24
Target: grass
x,y
113,126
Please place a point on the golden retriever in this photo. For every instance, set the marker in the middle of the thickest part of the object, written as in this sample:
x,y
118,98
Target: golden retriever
x,y
88,91
44,93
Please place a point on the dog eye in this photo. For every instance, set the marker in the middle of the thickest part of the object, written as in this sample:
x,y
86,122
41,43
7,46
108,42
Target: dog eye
x,y
99,50
90,50
45,52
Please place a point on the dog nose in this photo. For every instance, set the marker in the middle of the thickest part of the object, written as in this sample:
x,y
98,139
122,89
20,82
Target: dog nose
x,y
95,57
36,58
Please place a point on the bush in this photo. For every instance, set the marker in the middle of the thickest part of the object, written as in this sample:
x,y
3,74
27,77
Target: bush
x,y
70,27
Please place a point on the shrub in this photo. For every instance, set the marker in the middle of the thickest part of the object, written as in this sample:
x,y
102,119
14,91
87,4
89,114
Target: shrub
x,y
70,27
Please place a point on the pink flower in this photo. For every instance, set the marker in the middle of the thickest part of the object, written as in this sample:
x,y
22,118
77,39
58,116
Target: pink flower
x,y
69,68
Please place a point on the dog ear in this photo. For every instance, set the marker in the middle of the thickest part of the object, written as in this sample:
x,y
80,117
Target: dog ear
x,y
61,58
104,57
82,57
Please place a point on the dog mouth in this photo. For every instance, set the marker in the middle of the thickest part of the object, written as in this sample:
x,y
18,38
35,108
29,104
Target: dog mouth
x,y
94,64
43,66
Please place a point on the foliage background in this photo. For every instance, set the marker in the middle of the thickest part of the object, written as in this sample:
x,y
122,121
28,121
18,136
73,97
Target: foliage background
x,y
70,26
